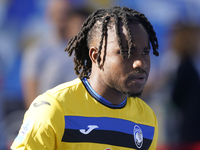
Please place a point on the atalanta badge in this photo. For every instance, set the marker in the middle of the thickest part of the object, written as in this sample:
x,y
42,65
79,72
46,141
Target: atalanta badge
x,y
138,136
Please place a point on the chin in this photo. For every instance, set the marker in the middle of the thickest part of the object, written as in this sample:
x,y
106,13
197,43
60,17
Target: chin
x,y
134,94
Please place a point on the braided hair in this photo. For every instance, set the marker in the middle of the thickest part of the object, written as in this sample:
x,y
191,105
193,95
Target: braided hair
x,y
96,24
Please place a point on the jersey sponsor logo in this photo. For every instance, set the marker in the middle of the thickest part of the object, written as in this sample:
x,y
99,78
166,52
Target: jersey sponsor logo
x,y
41,103
138,136
26,127
91,127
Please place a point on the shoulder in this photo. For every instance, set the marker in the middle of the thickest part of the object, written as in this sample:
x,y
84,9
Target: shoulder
x,y
64,93
65,87
43,124
142,110
49,105
140,103
146,116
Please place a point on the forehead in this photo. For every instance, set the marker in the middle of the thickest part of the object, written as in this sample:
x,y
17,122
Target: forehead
x,y
137,31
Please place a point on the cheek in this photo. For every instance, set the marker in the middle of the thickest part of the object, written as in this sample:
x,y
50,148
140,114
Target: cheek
x,y
146,64
113,68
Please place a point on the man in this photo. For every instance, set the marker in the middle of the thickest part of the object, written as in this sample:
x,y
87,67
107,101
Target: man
x,y
39,70
185,87
101,109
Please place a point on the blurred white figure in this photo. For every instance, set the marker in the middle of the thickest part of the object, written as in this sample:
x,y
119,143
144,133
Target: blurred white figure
x,y
45,64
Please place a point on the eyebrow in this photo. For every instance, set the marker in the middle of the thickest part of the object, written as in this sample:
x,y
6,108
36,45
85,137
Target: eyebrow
x,y
147,48
134,47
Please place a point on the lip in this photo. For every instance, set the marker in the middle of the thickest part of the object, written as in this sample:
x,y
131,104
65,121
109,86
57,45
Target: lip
x,y
139,78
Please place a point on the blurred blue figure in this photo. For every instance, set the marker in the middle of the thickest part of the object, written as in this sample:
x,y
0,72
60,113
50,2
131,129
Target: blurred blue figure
x,y
13,17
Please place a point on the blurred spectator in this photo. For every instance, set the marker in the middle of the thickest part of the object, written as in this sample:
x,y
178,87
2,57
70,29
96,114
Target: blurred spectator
x,y
181,79
75,20
45,64
186,89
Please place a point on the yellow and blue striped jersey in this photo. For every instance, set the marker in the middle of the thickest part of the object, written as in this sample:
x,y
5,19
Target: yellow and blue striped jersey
x,y
73,116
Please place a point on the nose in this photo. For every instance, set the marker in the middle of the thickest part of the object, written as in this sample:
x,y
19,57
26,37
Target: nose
x,y
140,63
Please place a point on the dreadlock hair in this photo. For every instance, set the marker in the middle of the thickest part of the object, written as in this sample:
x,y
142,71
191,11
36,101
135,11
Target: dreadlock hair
x,y
99,22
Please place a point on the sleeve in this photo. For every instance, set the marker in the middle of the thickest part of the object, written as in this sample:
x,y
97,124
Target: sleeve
x,y
43,126
155,138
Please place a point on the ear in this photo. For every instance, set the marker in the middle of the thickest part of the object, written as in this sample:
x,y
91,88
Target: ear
x,y
93,53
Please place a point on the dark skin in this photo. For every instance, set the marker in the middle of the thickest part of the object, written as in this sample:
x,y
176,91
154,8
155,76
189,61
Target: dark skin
x,y
114,79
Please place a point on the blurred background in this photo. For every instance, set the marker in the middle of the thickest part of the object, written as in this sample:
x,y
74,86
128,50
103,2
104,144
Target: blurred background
x,y
34,34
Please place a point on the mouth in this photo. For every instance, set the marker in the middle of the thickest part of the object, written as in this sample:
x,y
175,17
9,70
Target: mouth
x,y
138,78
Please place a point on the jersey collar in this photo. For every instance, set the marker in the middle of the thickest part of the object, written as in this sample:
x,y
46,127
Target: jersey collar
x,y
100,98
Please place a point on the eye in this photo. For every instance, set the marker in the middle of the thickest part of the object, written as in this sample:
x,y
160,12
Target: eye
x,y
145,53
124,52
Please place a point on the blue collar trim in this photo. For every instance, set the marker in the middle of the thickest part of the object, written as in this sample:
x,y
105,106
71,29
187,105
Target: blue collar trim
x,y
100,98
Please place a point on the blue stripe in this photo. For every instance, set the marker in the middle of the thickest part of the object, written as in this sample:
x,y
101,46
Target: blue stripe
x,y
106,123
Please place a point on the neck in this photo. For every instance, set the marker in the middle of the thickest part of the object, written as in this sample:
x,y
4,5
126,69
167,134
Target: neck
x,y
111,95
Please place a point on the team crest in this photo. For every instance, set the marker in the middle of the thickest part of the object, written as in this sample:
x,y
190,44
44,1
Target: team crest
x,y
138,136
